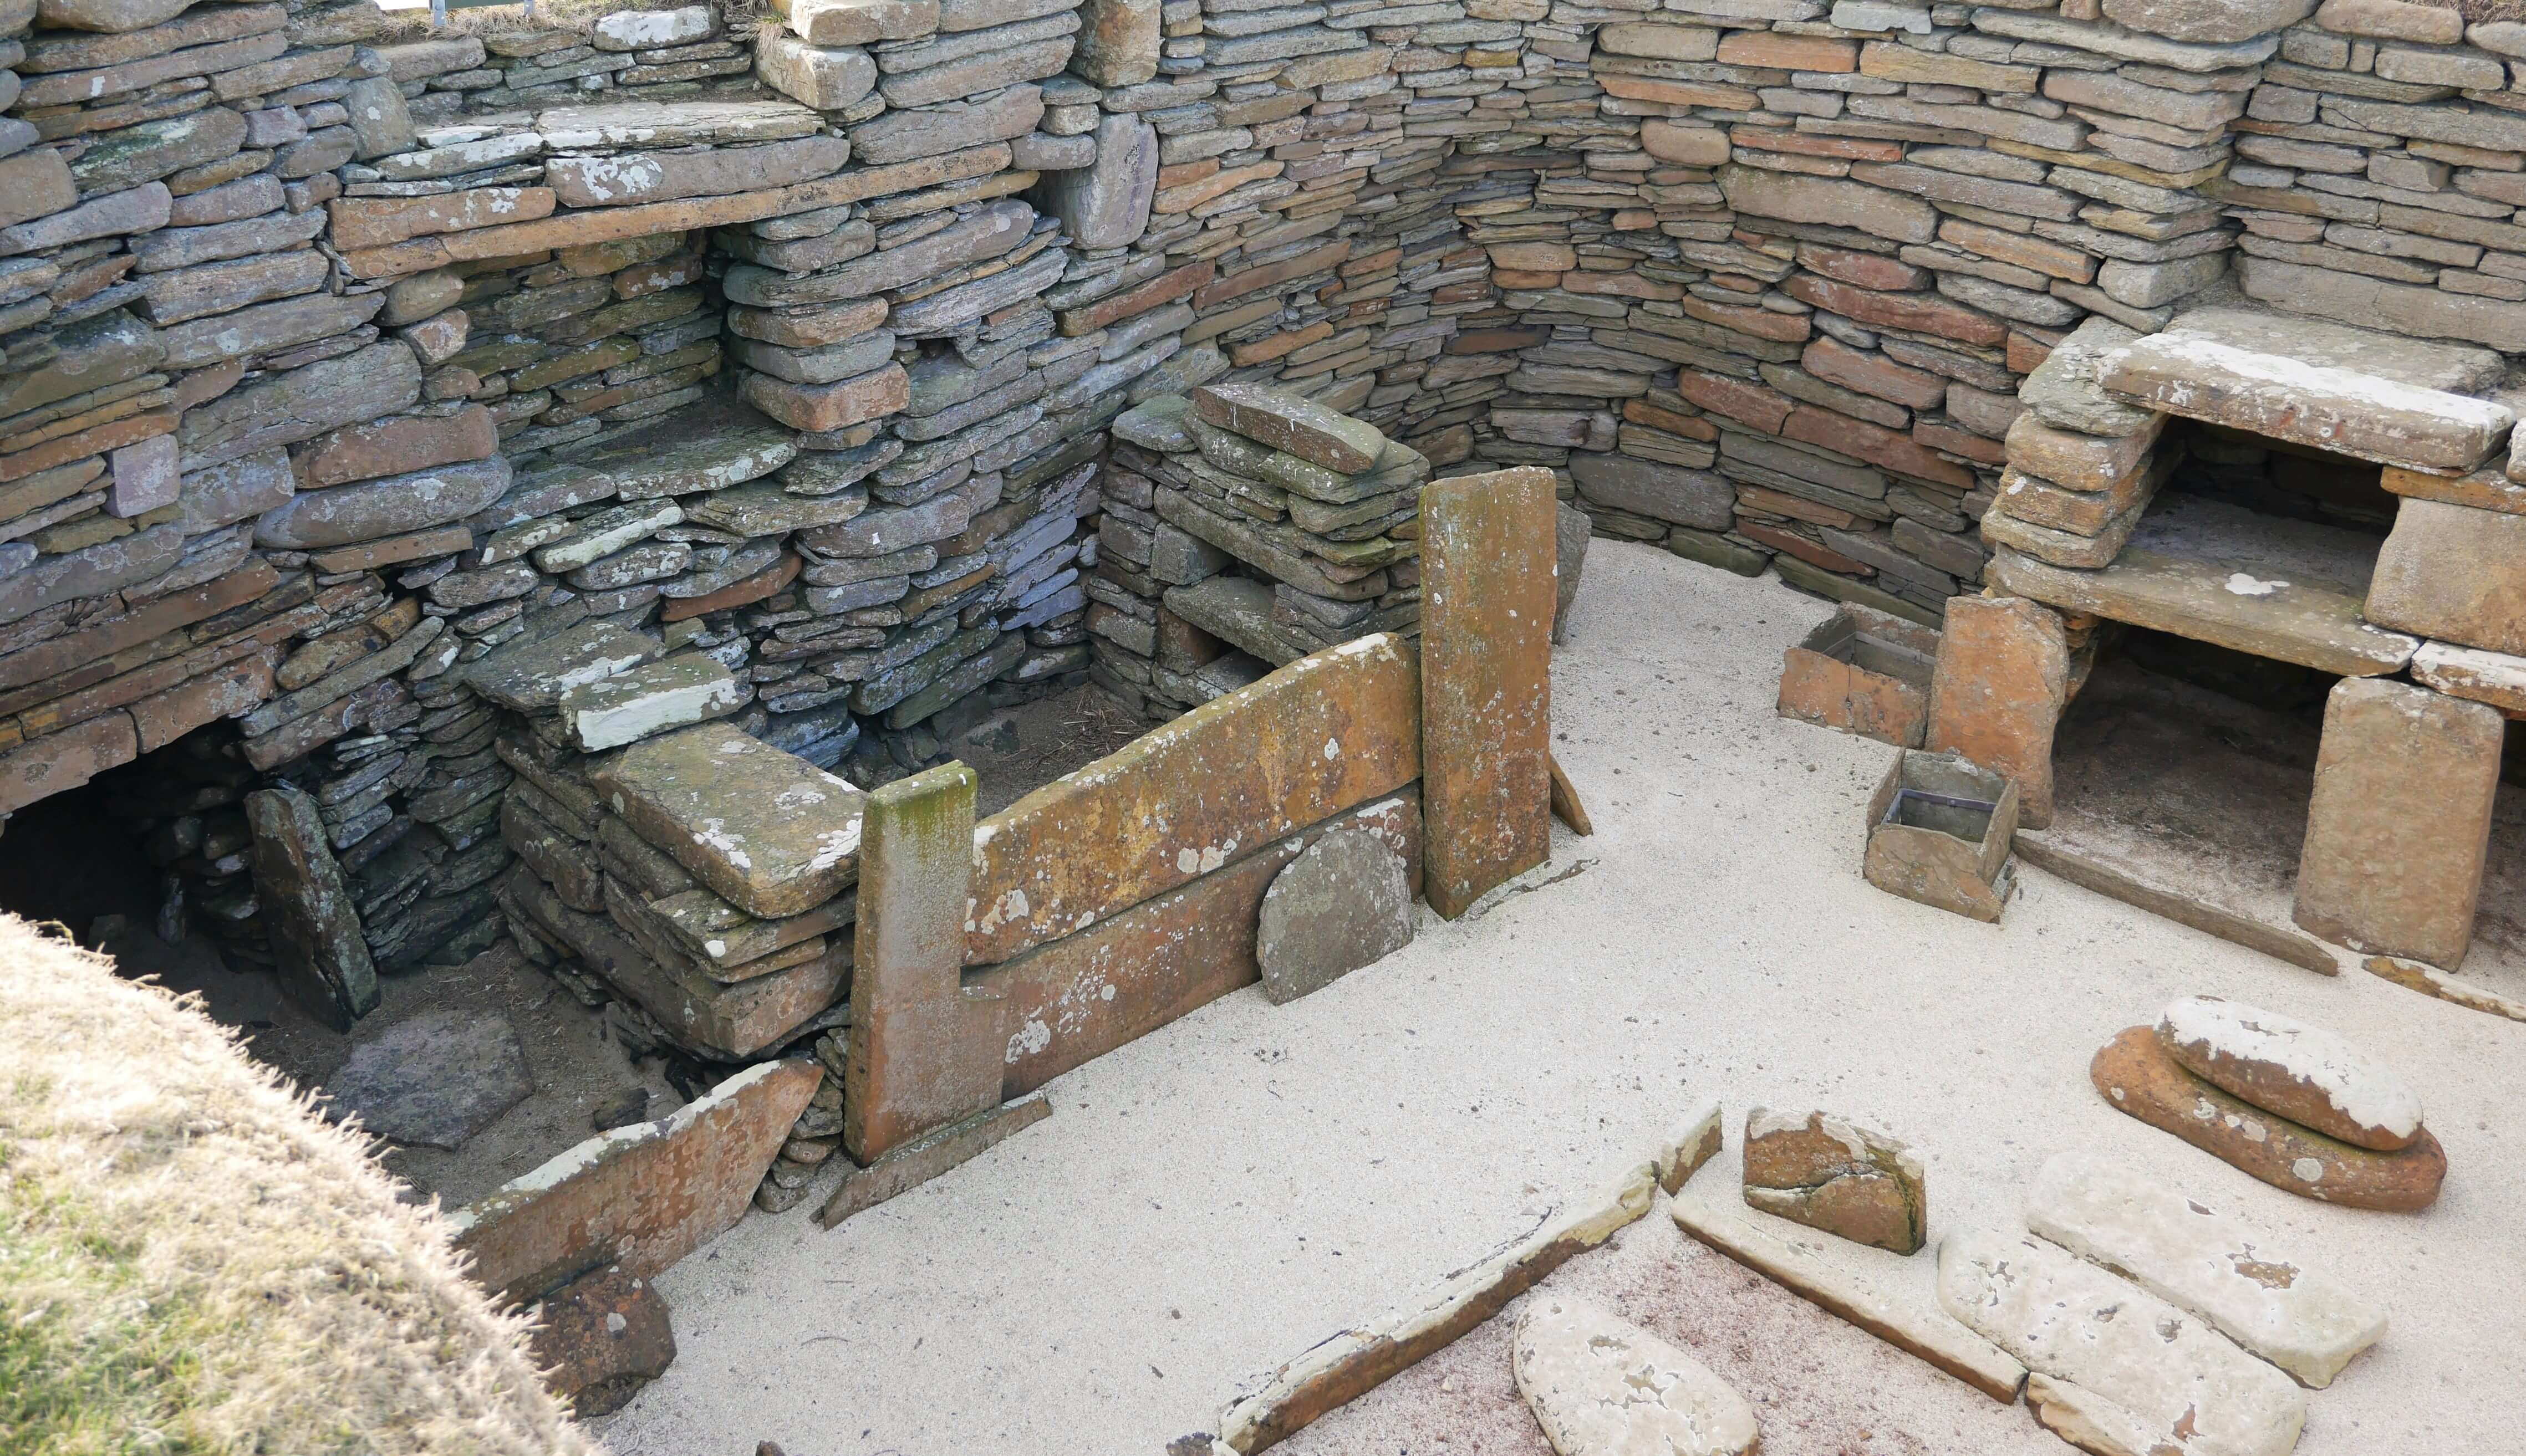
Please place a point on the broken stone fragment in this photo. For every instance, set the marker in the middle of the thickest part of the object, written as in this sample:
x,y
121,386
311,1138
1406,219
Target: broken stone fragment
x,y
2183,1251
602,1336
2160,1378
2134,1073
2305,1073
1599,1385
1343,903
1831,1175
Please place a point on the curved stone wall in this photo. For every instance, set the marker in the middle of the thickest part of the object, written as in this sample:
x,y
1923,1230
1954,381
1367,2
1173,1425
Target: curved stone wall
x,y
335,358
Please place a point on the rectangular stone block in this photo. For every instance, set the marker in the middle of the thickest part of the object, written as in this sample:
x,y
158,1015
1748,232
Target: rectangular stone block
x,y
2003,677
1486,574
2453,572
2401,821
767,829
925,1050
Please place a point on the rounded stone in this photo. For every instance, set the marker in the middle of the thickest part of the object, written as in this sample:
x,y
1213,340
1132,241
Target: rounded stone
x,y
1344,902
2305,1073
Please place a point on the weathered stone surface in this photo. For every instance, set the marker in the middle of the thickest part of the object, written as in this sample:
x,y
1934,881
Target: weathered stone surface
x,y
102,351
35,184
2138,1076
530,674
1118,41
1598,1384
602,1336
1487,546
2174,1381
685,454
931,131
2305,1073
390,447
1701,499
2198,376
1106,204
652,123
1293,423
1851,1295
125,159
1795,197
2219,573
1862,672
2453,572
2297,1318
2078,460
2493,677
392,506
1831,1175
639,1197
374,222
1343,903
925,1049
315,928
859,22
657,697
2003,677
765,828
65,759
826,78
2216,22
652,29
835,406
434,1079
2063,392
1357,1360
284,409
90,570
2400,825
629,177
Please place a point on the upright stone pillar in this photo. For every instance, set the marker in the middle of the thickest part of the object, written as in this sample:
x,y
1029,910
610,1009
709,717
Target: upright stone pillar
x,y
314,927
2400,820
1487,605
923,1052
2002,677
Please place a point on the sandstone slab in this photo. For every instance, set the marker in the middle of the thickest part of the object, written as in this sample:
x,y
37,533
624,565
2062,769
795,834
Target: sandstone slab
x,y
2400,825
642,702
601,1337
531,675
640,1197
2193,1256
1600,1384
2305,1073
2002,678
2138,1076
2162,1370
1292,422
315,928
2453,572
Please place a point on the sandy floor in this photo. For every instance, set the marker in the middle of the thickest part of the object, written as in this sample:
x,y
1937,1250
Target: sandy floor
x,y
1214,1198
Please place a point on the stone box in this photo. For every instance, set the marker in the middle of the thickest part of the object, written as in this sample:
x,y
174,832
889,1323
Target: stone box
x,y
1939,832
1862,672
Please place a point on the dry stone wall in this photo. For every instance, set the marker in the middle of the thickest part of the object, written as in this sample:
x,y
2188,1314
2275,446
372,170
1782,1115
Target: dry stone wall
x,y
346,368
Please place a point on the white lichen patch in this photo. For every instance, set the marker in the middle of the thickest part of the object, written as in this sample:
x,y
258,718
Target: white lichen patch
x,y
2240,584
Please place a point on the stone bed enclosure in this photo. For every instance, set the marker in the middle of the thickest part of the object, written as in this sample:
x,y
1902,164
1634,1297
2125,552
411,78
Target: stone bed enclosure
x,y
487,481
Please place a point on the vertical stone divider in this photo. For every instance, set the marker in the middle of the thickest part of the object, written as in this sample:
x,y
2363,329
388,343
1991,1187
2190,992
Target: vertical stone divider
x,y
1486,597
923,1052
1996,695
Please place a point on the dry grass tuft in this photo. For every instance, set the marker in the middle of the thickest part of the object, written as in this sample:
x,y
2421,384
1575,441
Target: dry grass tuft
x,y
191,1261
2476,12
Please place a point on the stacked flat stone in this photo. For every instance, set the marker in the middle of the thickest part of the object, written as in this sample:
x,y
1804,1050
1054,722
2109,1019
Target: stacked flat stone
x,y
1323,509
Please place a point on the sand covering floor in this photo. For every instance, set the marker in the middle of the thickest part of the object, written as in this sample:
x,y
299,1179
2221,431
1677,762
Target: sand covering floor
x,y
1214,1198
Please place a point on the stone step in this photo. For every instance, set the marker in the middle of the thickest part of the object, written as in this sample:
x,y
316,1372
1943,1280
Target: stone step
x,y
1236,610
2219,573
2172,1245
769,830
2373,396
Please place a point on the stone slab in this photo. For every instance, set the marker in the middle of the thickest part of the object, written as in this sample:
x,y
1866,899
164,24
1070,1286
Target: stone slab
x,y
909,1165
1926,1334
2176,1377
2305,1073
316,931
2138,1077
2455,573
1343,903
641,1196
434,1079
2400,825
1487,565
1325,733
1598,1383
2204,1261
767,829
